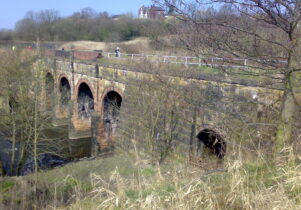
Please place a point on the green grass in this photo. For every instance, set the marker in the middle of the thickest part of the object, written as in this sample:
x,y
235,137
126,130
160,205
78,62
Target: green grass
x,y
233,75
208,69
148,172
6,185
135,194
260,173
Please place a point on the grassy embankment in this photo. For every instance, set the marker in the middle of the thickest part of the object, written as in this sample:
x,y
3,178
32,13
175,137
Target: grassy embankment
x,y
129,181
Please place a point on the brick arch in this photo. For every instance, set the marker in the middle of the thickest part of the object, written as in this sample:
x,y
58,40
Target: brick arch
x,y
50,89
52,75
218,146
116,89
49,72
61,77
218,130
75,95
53,78
89,85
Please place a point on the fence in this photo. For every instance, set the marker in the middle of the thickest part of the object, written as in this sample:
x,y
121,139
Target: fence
x,y
198,61
240,63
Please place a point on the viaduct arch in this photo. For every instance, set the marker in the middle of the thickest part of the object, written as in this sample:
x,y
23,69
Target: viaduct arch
x,y
213,141
65,91
49,90
85,101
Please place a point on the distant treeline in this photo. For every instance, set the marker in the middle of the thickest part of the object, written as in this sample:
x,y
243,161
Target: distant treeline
x,y
87,24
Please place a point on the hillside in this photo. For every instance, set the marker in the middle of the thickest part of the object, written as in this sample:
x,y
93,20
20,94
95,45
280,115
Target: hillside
x,y
133,46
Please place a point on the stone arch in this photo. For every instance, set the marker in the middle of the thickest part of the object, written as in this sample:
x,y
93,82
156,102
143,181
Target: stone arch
x,y
116,89
111,105
49,84
213,141
85,101
65,91
49,89
87,82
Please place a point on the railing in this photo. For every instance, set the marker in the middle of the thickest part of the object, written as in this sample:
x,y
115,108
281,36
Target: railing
x,y
242,63
239,63
187,60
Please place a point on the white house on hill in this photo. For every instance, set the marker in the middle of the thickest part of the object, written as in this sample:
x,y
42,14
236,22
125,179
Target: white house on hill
x,y
151,12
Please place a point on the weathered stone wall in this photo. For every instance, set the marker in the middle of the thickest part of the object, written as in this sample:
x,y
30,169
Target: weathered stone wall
x,y
243,116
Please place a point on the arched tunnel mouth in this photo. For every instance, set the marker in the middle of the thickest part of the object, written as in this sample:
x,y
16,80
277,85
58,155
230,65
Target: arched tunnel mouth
x,y
212,141
85,101
65,92
112,105
49,84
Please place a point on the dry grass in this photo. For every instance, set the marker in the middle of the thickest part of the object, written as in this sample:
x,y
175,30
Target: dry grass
x,y
243,186
143,43
129,181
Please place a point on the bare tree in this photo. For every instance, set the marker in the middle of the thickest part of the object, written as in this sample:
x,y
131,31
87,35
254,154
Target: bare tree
x,y
37,25
26,122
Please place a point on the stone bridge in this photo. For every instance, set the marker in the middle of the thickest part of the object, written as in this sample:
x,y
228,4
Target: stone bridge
x,y
87,97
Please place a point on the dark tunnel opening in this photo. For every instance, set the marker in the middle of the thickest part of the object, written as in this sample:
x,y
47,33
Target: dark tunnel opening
x,y
213,141
65,91
112,104
85,101
49,85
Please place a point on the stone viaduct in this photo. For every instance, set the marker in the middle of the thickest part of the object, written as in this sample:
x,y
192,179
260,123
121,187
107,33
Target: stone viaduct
x,y
85,97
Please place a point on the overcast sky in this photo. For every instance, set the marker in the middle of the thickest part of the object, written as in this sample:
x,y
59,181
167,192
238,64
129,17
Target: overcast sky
x,y
13,10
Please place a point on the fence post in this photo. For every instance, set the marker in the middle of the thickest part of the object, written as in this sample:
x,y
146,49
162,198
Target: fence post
x,y
186,60
212,62
245,62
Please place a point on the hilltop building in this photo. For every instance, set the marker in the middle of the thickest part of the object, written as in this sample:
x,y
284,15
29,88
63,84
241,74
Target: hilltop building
x,y
151,12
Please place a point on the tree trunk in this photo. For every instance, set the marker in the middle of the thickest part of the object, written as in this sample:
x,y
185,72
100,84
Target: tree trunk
x,y
36,145
288,112
12,164
291,88
192,133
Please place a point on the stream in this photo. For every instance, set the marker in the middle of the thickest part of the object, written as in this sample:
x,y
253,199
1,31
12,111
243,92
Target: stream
x,y
45,161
